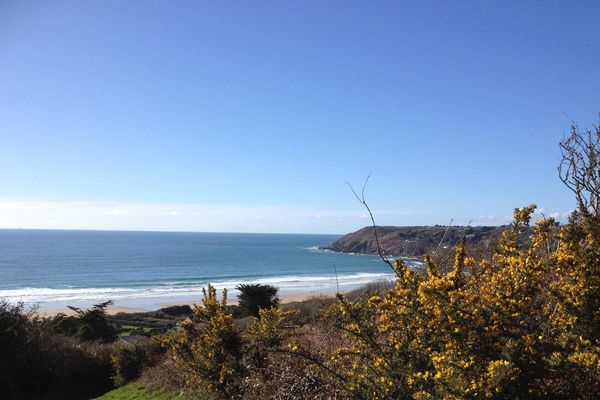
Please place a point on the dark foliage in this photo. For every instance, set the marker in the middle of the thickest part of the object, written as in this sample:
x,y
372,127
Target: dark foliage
x,y
129,357
37,363
253,297
15,351
86,325
176,311
149,323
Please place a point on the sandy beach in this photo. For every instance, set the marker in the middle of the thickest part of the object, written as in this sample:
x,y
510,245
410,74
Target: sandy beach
x,y
115,309
111,310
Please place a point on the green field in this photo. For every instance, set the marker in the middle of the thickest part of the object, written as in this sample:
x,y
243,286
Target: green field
x,y
137,391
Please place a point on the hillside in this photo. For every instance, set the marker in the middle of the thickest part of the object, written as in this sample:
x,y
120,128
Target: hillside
x,y
413,241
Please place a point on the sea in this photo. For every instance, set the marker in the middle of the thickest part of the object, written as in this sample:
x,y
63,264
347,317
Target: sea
x,y
52,269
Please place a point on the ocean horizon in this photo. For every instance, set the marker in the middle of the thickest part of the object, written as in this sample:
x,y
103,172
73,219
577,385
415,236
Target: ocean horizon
x,y
52,269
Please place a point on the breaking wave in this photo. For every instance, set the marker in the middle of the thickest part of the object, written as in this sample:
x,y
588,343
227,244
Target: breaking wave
x,y
294,284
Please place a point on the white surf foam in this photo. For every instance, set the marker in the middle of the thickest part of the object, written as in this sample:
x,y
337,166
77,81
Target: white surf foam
x,y
286,284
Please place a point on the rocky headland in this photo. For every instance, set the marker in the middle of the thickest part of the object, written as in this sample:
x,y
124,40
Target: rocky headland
x,y
414,241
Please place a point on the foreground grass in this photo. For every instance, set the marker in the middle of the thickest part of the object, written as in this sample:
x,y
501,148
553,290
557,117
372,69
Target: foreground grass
x,y
137,391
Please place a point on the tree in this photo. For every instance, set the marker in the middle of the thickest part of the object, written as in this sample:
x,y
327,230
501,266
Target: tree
x,y
253,297
579,168
87,325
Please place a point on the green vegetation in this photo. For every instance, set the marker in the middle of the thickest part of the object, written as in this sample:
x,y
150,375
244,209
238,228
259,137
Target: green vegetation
x,y
38,362
86,325
77,357
253,297
129,357
417,241
148,323
209,346
138,391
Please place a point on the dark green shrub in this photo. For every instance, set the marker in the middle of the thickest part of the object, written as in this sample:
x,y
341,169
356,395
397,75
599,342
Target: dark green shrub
x,y
129,358
253,297
86,325
15,348
38,363
177,311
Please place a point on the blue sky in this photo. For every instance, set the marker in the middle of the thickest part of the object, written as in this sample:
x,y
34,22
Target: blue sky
x,y
250,116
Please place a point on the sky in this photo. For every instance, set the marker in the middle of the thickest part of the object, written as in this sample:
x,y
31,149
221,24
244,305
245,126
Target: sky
x,y
253,116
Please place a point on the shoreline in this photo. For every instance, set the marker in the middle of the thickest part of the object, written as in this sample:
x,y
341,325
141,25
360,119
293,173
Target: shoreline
x,y
116,308
153,297
153,303
410,259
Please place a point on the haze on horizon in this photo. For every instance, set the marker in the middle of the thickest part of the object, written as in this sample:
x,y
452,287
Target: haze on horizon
x,y
250,117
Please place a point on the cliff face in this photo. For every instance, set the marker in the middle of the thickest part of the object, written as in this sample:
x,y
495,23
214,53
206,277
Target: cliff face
x,y
413,241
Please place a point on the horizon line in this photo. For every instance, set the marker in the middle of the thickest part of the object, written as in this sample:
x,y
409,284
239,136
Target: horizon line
x,y
232,232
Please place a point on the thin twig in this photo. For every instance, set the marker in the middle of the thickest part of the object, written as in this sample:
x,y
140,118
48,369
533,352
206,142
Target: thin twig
x,y
444,236
361,200
337,283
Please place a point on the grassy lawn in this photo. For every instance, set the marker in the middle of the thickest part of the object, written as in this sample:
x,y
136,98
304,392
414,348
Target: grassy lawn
x,y
136,391
125,330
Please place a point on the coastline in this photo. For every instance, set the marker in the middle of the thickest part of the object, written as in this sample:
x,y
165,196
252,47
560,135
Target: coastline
x,y
410,259
153,270
295,290
116,309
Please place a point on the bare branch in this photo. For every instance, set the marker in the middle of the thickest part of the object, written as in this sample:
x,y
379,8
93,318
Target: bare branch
x,y
361,200
444,236
579,168
337,283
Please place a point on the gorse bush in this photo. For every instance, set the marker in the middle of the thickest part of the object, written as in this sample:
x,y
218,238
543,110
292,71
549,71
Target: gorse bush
x,y
208,347
216,356
523,324
519,321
